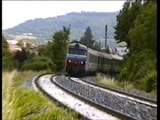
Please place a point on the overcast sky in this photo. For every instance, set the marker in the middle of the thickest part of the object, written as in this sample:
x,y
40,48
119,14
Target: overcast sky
x,y
16,12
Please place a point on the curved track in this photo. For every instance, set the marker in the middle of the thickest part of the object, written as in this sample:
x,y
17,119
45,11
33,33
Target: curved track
x,y
139,98
44,84
115,97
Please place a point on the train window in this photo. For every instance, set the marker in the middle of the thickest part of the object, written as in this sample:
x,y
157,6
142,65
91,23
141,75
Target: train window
x,y
102,60
117,62
108,61
93,59
81,52
77,51
71,51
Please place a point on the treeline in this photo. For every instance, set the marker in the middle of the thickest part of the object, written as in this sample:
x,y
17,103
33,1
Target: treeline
x,y
137,26
50,57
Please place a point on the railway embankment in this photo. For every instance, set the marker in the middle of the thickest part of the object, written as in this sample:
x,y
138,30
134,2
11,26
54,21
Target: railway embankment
x,y
117,103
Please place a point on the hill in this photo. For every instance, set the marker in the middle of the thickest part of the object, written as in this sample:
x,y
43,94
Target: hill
x,y
44,29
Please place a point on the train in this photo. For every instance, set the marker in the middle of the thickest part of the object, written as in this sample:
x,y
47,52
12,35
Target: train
x,y
82,60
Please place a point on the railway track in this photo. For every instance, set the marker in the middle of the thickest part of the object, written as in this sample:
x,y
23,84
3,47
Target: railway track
x,y
139,98
118,104
44,84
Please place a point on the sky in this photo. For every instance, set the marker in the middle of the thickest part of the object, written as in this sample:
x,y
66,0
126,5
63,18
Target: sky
x,y
17,12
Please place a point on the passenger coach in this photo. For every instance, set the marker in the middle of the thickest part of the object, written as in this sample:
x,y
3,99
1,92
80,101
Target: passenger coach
x,y
81,59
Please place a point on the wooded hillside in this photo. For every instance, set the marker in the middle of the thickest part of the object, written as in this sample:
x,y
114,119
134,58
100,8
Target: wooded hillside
x,y
45,28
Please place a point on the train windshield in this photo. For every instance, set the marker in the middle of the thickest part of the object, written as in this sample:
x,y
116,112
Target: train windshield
x,y
77,51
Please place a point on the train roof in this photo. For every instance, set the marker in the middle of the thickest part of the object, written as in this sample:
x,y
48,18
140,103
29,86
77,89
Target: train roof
x,y
94,52
77,44
117,57
100,54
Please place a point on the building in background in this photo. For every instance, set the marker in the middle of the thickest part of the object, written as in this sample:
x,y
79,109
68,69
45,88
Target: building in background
x,y
13,47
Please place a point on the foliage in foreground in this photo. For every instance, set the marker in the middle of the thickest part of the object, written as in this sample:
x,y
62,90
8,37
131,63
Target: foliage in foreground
x,y
127,86
32,105
22,103
123,25
7,89
141,72
141,36
6,56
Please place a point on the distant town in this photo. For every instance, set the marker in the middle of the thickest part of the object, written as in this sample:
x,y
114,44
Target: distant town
x,y
24,41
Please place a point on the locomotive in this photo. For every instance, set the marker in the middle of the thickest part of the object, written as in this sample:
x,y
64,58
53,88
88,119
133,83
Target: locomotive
x,y
81,60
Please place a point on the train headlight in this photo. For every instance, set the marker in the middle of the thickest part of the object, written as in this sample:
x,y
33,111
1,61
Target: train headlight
x,y
69,61
81,62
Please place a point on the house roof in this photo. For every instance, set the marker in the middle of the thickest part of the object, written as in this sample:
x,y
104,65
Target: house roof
x,y
12,42
14,48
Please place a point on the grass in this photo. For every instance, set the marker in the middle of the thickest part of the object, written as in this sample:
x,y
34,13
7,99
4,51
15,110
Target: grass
x,y
6,98
25,104
33,106
20,77
112,83
107,81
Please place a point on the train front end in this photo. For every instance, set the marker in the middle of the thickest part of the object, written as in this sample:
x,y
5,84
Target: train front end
x,y
76,59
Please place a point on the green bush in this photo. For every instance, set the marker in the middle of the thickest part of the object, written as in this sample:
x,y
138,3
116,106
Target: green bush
x,y
39,63
148,82
138,69
151,81
7,64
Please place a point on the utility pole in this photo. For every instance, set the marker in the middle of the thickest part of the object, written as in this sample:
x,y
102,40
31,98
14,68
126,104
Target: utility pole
x,y
106,37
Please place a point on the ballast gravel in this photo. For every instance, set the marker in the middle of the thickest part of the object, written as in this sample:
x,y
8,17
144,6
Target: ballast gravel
x,y
81,107
137,110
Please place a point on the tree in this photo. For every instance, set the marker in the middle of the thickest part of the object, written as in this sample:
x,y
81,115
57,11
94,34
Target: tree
x,y
88,40
6,56
144,33
125,21
45,50
59,48
140,67
20,57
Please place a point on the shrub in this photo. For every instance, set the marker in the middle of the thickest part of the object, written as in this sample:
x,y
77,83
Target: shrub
x,y
39,63
138,69
148,82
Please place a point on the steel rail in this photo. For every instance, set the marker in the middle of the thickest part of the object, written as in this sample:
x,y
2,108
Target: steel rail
x,y
121,92
53,99
86,100
99,106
